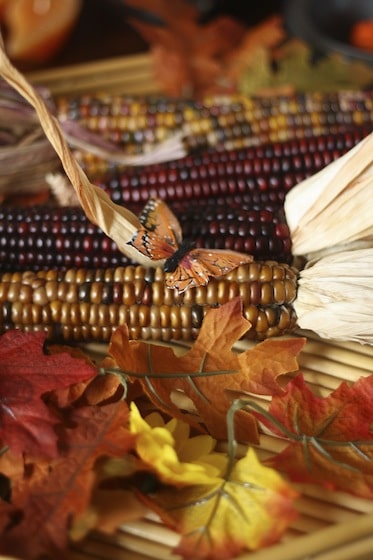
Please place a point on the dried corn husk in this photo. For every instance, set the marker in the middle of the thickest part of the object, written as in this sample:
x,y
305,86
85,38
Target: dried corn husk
x,y
332,209
82,138
25,154
335,296
117,222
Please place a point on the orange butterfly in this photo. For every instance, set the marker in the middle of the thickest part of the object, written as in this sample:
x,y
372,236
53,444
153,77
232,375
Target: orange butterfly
x,y
160,237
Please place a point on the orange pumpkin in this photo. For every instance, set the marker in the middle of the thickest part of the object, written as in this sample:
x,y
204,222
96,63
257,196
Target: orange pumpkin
x,y
35,30
362,35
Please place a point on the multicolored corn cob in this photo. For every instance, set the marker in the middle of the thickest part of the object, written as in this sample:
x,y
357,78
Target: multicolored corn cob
x,y
85,305
43,237
230,122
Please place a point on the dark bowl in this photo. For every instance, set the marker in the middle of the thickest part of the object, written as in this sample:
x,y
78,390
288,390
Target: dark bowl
x,y
326,24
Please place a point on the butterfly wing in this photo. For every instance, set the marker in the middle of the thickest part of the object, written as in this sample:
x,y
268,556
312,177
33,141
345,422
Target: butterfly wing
x,y
158,218
197,266
161,233
151,245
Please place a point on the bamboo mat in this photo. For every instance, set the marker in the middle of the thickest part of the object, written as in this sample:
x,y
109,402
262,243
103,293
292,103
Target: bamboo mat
x,y
331,525
128,75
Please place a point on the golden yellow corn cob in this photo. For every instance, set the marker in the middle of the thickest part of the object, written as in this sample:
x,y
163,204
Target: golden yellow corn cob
x,y
84,305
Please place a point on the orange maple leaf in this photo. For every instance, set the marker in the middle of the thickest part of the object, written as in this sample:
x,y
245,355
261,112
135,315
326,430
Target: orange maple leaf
x,y
209,370
187,54
330,440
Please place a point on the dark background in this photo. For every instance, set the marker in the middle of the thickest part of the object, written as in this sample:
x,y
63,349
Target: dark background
x,y
102,30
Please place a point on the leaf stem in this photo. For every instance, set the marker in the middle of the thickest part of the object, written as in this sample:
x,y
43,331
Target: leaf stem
x,y
4,450
170,375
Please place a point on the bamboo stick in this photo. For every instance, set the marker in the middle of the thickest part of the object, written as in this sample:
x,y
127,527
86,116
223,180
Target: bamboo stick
x,y
342,499
308,524
99,548
343,355
331,540
364,349
131,75
360,550
147,546
156,532
324,511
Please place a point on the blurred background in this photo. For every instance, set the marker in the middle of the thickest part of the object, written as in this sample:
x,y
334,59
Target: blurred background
x,y
200,47
52,33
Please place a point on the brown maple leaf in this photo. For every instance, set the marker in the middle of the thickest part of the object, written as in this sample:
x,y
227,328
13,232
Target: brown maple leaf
x,y
51,493
26,374
209,370
330,440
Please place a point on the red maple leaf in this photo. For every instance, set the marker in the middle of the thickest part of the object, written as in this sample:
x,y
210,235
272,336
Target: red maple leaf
x,y
27,373
51,493
330,440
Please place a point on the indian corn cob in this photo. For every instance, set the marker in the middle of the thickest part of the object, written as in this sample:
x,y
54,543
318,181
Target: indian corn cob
x,y
83,305
270,168
45,237
230,122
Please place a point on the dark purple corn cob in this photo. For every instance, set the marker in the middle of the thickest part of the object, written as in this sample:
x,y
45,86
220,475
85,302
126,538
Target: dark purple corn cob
x,y
43,238
265,172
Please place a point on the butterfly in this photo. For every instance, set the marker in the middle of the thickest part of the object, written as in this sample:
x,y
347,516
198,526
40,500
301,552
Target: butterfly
x,y
160,238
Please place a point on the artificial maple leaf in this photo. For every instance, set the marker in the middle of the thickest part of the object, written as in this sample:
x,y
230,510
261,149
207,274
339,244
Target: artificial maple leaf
x,y
157,448
67,396
11,466
248,509
330,440
51,493
186,53
27,373
297,71
264,37
209,370
102,390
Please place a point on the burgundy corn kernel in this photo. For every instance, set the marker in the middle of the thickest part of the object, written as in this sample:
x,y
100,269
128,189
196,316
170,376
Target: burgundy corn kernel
x,y
208,224
259,173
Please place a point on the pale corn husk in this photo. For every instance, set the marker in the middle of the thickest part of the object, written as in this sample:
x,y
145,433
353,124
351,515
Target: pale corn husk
x,y
332,209
117,222
170,149
335,296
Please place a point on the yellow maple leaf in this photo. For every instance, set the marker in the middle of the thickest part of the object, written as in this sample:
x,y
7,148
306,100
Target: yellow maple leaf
x,y
182,461
250,508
